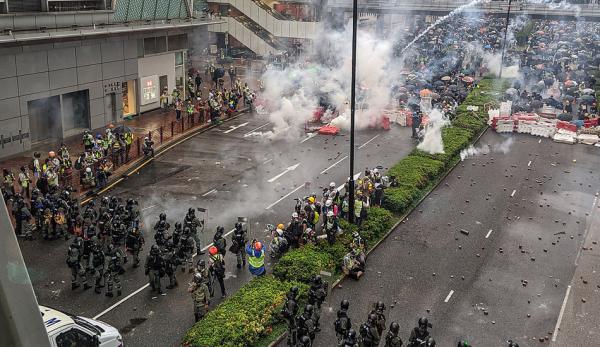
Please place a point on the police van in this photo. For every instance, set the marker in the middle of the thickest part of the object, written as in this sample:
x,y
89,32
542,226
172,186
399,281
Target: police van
x,y
65,330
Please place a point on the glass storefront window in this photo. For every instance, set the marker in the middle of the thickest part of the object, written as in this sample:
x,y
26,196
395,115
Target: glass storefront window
x,y
178,58
128,97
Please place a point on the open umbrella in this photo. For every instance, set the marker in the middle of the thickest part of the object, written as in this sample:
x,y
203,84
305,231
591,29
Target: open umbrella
x,y
565,117
468,79
446,78
512,91
587,99
588,91
536,104
121,129
570,83
425,93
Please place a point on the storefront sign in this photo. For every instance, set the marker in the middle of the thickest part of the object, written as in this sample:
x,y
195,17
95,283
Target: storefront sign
x,y
149,86
112,87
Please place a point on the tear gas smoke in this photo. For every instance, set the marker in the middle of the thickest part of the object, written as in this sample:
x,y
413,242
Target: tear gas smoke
x,y
432,141
471,151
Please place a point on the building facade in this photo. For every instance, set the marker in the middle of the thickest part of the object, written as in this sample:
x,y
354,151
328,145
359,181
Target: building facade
x,y
65,72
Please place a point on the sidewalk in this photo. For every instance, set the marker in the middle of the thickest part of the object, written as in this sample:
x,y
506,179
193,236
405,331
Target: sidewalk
x,y
159,125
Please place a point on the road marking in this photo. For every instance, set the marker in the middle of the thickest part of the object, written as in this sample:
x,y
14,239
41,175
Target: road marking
x,y
560,315
149,207
310,136
146,285
233,127
513,193
366,143
334,164
285,196
290,168
251,131
267,161
488,234
529,164
339,189
540,141
209,192
120,301
449,296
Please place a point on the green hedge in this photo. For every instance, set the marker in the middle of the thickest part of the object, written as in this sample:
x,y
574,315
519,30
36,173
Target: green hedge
x,y
244,317
301,264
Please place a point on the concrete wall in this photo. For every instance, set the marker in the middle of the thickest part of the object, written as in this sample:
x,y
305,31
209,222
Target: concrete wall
x,y
39,71
160,65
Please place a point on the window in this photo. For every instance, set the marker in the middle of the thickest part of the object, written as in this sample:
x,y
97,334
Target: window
x,y
177,42
74,338
178,58
153,45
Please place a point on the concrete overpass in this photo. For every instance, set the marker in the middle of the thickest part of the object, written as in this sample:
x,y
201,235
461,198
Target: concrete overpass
x,y
588,12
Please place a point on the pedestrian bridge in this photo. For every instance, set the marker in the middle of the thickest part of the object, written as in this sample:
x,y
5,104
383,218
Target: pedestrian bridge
x,y
589,12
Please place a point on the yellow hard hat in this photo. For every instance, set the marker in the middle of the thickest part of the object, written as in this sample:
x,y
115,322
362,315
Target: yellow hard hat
x,y
280,226
311,200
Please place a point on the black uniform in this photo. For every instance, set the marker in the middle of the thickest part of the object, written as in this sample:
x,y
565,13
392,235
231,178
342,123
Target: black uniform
x,y
306,324
133,244
239,240
289,313
155,268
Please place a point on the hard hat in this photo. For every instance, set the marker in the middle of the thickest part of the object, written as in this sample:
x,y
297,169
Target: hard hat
x,y
279,232
332,185
212,250
295,215
311,200
280,226
88,170
328,202
330,214
258,246
51,154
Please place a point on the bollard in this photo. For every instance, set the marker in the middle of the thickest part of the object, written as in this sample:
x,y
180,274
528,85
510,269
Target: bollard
x,y
150,135
139,147
182,124
172,128
160,131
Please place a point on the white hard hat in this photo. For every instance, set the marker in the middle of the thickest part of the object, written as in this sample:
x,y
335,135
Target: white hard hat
x,y
375,170
279,232
88,170
146,138
330,214
332,185
328,202
295,215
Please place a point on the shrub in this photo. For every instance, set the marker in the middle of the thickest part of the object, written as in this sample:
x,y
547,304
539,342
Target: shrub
x,y
301,264
416,170
377,224
399,199
244,317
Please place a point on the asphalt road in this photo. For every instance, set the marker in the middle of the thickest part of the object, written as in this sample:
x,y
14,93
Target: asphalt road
x,y
231,173
528,212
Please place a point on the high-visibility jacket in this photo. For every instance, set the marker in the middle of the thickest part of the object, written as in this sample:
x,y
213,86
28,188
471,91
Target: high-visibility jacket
x,y
128,138
256,260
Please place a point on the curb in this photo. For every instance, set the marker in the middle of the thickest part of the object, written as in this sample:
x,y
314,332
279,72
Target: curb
x,y
139,163
335,284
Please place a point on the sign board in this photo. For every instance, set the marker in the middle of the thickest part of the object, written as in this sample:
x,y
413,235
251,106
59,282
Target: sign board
x,y
112,87
149,86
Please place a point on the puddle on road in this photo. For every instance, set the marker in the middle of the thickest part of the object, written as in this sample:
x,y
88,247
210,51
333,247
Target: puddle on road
x,y
133,323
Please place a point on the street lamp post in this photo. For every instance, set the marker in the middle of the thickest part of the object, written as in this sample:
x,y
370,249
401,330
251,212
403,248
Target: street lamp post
x,y
505,33
352,112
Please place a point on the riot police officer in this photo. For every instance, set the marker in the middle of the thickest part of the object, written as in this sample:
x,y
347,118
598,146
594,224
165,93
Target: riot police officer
x,y
289,313
316,296
185,250
419,334
133,244
392,339
219,241
369,337
96,266
378,309
74,255
350,340
160,235
155,268
192,222
200,296
114,268
171,263
239,240
304,341
306,324
342,323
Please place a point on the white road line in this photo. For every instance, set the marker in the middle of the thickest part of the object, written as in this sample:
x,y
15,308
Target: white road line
x,y
449,296
210,192
290,168
540,141
488,234
560,315
251,131
145,286
366,143
310,136
149,207
233,127
285,196
529,164
334,164
513,193
339,189
267,161
120,302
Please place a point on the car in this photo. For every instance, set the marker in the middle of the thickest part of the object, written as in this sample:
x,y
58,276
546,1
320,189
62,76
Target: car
x,y
67,330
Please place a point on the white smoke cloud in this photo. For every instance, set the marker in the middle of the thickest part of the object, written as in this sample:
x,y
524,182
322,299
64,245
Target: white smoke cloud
x,y
432,141
471,151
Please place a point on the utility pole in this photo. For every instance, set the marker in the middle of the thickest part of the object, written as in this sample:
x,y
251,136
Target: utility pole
x,y
352,112
505,33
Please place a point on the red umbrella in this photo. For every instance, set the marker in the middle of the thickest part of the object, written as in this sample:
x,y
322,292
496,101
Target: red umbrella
x,y
468,79
425,92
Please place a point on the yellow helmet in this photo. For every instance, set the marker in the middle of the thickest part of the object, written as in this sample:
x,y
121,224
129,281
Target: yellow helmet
x,y
280,226
311,200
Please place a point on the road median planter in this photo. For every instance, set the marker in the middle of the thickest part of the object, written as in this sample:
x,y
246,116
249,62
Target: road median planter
x,y
249,315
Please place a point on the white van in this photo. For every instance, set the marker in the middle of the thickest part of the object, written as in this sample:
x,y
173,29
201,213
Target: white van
x,y
65,330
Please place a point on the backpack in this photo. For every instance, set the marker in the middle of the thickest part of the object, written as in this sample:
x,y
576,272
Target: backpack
x,y
341,325
218,267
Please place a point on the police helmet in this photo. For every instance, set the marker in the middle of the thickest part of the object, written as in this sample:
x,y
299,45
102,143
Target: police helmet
x,y
394,327
177,225
351,333
191,211
424,322
380,305
201,263
345,304
154,250
238,226
220,229
430,342
372,317
309,309
162,216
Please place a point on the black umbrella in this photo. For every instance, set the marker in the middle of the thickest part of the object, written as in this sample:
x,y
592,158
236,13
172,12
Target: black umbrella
x,y
536,104
121,129
565,117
